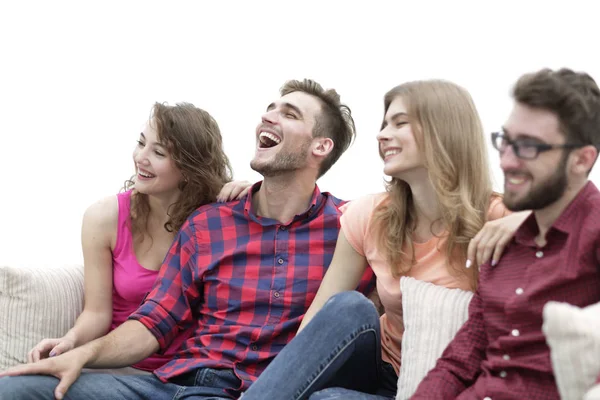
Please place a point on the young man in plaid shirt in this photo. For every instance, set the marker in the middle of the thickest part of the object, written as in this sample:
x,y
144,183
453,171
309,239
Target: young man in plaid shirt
x,y
242,274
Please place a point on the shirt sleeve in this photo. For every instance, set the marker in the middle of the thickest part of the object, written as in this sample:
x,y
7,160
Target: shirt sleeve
x,y
460,364
356,218
167,309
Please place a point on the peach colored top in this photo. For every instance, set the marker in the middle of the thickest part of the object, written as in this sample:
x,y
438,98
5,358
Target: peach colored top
x,y
430,267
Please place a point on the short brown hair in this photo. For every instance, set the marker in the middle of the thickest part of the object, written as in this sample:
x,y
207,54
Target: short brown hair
x,y
193,140
573,96
334,122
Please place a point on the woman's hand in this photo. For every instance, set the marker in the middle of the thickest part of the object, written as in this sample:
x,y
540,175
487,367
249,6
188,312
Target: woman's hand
x,y
233,190
66,368
491,240
49,348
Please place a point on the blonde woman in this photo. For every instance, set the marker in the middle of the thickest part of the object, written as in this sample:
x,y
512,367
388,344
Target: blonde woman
x,y
438,199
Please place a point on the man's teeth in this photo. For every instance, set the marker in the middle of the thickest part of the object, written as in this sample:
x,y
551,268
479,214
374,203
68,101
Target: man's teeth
x,y
514,180
391,152
270,136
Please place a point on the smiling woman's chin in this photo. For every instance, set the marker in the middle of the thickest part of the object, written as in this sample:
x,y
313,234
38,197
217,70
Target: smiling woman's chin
x,y
390,169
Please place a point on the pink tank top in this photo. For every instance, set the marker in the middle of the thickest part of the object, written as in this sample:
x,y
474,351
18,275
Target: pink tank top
x,y
131,283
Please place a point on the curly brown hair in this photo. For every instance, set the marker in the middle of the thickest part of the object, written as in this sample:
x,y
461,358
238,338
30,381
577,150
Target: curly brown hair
x,y
193,140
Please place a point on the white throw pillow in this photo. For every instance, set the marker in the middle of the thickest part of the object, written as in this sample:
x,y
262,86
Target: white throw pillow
x,y
36,303
432,316
593,393
573,335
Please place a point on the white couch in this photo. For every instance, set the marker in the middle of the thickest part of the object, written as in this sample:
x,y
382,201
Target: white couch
x,y
35,303
44,301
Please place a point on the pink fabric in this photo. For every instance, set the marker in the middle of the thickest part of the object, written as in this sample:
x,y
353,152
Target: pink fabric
x,y
131,283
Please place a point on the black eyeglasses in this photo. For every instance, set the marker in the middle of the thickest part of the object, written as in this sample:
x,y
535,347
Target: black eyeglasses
x,y
524,148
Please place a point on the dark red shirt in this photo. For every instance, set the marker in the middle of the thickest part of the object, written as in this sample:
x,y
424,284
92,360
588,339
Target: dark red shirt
x,y
501,352
242,282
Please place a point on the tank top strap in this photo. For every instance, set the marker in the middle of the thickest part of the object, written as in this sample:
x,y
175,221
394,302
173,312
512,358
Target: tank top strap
x,y
124,237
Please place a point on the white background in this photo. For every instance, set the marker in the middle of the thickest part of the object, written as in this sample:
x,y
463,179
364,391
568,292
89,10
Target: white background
x,y
78,79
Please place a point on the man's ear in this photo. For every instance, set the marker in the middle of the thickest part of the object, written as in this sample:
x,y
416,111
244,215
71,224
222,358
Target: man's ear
x,y
585,157
322,146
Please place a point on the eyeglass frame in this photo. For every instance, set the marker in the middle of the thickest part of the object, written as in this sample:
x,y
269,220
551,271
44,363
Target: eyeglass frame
x,y
539,147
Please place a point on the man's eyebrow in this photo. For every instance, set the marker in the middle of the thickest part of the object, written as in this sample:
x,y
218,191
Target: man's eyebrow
x,y
519,135
286,105
293,107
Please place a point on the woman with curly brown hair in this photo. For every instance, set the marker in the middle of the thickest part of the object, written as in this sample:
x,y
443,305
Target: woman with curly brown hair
x,y
180,165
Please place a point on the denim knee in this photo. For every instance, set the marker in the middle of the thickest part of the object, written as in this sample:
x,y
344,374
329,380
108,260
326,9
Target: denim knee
x,y
337,393
28,387
350,305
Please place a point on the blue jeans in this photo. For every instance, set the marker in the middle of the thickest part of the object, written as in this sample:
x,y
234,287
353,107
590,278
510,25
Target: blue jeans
x,y
205,384
338,351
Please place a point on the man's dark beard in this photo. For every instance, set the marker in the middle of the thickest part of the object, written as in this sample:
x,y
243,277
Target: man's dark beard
x,y
545,193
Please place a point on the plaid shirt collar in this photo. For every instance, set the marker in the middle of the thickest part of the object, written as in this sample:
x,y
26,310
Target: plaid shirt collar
x,y
316,202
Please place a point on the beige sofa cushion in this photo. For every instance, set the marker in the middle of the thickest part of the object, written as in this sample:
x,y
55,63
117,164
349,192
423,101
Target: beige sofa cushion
x,y
432,316
36,303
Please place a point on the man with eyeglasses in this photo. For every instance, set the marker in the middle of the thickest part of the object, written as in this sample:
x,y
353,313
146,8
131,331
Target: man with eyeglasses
x,y
547,149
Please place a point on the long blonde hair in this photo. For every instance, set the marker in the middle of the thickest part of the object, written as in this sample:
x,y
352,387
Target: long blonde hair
x,y
449,135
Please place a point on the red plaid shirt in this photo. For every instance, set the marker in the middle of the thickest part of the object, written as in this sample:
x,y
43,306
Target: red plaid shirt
x,y
242,282
501,352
